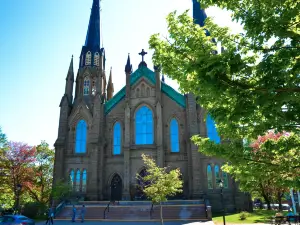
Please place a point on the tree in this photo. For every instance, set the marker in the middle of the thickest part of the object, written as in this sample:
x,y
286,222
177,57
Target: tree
x,y
41,186
249,88
15,169
159,182
6,194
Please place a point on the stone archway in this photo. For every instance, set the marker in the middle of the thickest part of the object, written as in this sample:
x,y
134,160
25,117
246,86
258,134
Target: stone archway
x,y
139,195
116,188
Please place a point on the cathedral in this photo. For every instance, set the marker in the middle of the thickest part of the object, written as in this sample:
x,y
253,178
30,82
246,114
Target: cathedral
x,y
102,134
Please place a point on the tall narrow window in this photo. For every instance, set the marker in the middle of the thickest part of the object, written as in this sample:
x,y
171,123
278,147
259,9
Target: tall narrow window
x,y
81,130
77,181
225,179
72,178
212,132
174,136
84,181
117,139
88,58
86,86
217,176
144,126
96,59
93,87
209,177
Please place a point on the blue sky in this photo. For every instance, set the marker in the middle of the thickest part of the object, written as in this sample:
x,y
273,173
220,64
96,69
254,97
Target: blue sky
x,y
38,38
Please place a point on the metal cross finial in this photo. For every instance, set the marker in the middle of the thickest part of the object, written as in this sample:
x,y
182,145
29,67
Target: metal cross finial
x,y
142,53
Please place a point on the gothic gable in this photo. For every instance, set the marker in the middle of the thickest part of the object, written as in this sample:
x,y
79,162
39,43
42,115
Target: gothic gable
x,y
148,76
81,112
143,89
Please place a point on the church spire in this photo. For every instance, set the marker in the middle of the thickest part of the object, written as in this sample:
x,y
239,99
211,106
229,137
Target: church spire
x,y
128,66
199,14
91,52
110,86
93,33
70,74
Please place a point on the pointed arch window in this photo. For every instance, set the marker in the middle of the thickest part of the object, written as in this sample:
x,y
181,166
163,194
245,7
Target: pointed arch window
x,y
84,176
117,139
88,58
72,178
217,176
209,177
174,136
96,59
81,131
77,187
212,132
86,86
144,126
225,179
93,87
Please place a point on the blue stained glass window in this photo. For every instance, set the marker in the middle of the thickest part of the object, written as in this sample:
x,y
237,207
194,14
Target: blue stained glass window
x,y
117,139
86,86
77,180
81,130
209,177
225,179
217,175
84,181
174,136
212,132
72,176
144,126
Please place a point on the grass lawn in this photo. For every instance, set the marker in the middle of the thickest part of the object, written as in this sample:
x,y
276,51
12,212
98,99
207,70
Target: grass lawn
x,y
257,216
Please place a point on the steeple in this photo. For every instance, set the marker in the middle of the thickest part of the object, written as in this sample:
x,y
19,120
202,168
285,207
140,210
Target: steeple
x,y
128,66
91,51
69,83
93,33
70,74
110,86
199,14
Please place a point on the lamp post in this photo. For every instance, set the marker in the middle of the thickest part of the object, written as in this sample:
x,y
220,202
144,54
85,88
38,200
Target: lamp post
x,y
222,200
19,187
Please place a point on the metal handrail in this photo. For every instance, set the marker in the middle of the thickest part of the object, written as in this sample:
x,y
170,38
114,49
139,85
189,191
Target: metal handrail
x,y
151,211
106,208
59,208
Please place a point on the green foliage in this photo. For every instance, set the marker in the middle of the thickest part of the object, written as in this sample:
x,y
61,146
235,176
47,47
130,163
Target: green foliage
x,y
160,183
34,209
41,187
243,215
61,190
247,86
275,159
250,88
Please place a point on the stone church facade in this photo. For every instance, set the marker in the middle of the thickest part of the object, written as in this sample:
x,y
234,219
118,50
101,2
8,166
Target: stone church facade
x,y
102,135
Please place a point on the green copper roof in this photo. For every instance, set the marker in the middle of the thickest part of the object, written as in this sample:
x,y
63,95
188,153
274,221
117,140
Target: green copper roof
x,y
150,75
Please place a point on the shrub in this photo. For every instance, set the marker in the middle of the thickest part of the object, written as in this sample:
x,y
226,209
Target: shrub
x,y
243,215
34,209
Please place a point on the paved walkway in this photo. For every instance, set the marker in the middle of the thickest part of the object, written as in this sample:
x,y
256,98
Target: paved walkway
x,y
66,222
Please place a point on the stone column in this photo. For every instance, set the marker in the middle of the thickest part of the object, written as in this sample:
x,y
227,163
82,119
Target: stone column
x,y
195,155
159,135
126,148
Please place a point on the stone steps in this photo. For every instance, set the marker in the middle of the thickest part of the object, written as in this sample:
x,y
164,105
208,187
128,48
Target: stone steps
x,y
138,211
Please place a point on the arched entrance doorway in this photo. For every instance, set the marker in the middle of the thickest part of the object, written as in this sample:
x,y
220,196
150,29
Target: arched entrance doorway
x,y
141,185
116,188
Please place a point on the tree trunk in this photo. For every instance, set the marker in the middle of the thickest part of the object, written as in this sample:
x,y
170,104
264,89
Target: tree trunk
x,y
161,216
279,199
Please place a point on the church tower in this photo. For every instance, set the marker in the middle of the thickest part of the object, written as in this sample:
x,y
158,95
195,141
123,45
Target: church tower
x,y
79,146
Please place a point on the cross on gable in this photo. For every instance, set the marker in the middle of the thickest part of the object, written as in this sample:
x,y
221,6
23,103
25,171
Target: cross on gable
x,y
142,53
